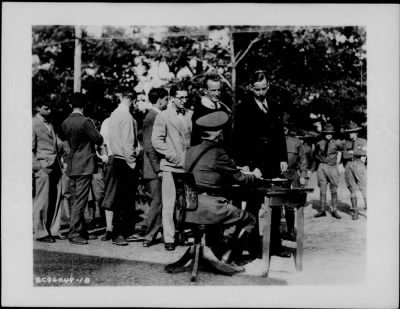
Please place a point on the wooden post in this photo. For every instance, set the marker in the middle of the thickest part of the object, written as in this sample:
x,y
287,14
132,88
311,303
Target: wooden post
x,y
77,59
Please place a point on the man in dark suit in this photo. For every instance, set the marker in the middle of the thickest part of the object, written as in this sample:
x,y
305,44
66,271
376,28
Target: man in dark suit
x,y
158,97
46,171
82,136
260,144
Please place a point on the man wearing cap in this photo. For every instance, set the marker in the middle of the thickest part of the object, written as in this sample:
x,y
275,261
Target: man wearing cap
x,y
82,136
326,153
260,143
355,174
214,173
296,171
46,170
171,138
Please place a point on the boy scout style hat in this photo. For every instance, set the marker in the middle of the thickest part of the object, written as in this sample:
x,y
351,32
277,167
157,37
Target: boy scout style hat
x,y
213,121
352,127
328,129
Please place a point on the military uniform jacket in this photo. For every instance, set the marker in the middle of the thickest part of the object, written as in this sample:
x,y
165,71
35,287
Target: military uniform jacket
x,y
296,156
327,151
214,172
359,147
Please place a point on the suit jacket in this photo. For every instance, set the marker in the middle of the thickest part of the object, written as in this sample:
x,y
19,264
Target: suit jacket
x,y
151,159
46,147
82,136
259,138
171,138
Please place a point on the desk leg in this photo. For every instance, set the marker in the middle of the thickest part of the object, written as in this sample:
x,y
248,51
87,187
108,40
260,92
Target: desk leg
x,y
299,240
266,233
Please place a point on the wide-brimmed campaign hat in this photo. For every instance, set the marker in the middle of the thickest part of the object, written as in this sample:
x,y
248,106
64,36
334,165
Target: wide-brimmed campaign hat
x,y
352,127
212,121
328,129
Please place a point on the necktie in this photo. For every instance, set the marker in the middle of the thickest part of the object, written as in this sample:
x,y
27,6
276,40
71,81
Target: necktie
x,y
325,153
264,107
181,111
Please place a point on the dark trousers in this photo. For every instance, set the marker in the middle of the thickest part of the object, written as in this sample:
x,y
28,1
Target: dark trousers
x,y
121,197
155,210
79,187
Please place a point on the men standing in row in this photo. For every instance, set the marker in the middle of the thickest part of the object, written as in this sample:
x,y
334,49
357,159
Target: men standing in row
x,y
326,154
171,138
82,137
355,174
121,179
260,144
46,168
158,97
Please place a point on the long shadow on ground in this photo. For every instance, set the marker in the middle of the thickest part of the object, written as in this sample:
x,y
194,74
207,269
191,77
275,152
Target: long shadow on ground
x,y
100,271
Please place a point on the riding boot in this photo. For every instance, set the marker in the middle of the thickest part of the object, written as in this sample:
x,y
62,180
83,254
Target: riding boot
x,y
235,252
322,212
354,206
334,201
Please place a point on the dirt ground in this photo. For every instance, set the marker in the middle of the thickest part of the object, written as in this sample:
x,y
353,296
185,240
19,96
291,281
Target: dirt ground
x,y
334,250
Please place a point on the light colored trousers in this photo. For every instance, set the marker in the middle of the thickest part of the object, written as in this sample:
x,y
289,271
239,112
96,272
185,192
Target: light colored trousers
x,y
168,192
46,204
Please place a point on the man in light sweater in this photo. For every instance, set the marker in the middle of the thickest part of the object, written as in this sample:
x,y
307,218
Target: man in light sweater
x,y
121,178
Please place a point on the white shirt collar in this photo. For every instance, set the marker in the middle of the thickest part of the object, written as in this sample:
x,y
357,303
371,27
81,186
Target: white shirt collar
x,y
208,103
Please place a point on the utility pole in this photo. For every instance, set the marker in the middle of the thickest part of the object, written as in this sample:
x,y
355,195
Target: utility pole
x,y
77,59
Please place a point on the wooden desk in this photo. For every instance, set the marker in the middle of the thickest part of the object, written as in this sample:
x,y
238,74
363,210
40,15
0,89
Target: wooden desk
x,y
277,197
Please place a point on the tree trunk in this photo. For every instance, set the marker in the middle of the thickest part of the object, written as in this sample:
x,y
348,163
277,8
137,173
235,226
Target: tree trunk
x,y
77,59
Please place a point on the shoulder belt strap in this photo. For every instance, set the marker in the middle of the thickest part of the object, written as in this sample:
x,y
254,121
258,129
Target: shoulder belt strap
x,y
199,157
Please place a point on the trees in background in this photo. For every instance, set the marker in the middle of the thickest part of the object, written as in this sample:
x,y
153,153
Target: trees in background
x,y
320,71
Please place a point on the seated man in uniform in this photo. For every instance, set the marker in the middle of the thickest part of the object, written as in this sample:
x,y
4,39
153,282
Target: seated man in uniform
x,y
214,172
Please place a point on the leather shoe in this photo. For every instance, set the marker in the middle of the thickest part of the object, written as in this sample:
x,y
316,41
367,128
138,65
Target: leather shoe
x,y
119,241
48,239
169,246
149,243
335,214
78,241
320,214
107,236
60,237
134,237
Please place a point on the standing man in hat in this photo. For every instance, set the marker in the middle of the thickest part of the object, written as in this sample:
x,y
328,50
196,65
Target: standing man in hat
x,y
355,174
171,139
214,172
46,171
260,144
82,136
326,153
296,171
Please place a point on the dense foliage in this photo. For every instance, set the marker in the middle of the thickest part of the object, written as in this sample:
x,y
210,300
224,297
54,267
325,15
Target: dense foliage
x,y
316,70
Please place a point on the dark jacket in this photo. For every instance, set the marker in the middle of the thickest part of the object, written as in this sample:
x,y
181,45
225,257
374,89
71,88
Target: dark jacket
x,y
151,159
82,136
259,139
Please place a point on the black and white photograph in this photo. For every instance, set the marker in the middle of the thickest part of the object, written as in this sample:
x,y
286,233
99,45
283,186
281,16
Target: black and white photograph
x,y
200,155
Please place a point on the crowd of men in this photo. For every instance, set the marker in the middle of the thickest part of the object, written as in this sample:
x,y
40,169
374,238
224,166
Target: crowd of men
x,y
82,167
